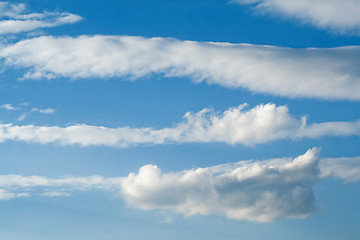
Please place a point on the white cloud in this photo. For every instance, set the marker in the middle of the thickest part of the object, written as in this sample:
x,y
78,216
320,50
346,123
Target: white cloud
x,y
328,73
69,183
56,194
18,21
340,15
5,195
38,110
7,107
43,111
239,125
255,191
342,168
14,186
259,191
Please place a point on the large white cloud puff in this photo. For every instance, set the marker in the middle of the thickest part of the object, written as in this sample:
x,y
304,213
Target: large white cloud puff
x,y
255,191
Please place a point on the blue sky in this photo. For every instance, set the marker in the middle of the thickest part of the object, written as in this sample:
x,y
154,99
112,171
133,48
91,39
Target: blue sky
x,y
179,119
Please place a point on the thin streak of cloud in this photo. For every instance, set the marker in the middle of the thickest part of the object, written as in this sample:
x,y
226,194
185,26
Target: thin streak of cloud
x,y
43,111
18,21
8,106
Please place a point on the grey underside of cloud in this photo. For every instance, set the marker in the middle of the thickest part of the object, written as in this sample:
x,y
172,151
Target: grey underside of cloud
x,y
15,19
247,190
328,73
341,16
261,124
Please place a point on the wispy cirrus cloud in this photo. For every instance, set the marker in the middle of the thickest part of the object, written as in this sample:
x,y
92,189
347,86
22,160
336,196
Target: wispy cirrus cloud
x,y
239,125
339,15
325,73
39,110
15,19
341,168
8,106
15,186
260,191
43,111
6,195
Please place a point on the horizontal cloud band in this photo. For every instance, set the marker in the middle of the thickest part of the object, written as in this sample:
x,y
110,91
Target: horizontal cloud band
x,y
260,124
17,21
331,73
340,15
247,190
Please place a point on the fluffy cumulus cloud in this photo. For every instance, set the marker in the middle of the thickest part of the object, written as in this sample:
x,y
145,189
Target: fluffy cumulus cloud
x,y
331,73
259,191
255,191
16,20
238,125
340,15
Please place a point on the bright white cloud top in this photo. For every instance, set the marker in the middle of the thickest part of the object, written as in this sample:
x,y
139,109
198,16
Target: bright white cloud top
x,y
340,15
17,20
329,73
255,191
239,125
259,191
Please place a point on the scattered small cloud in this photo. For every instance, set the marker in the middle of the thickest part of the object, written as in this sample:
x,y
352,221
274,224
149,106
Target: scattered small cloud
x,y
44,111
23,116
56,194
8,107
34,110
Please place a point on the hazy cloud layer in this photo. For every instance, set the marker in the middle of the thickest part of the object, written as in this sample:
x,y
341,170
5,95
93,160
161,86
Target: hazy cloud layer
x,y
328,73
239,125
340,15
260,191
16,20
